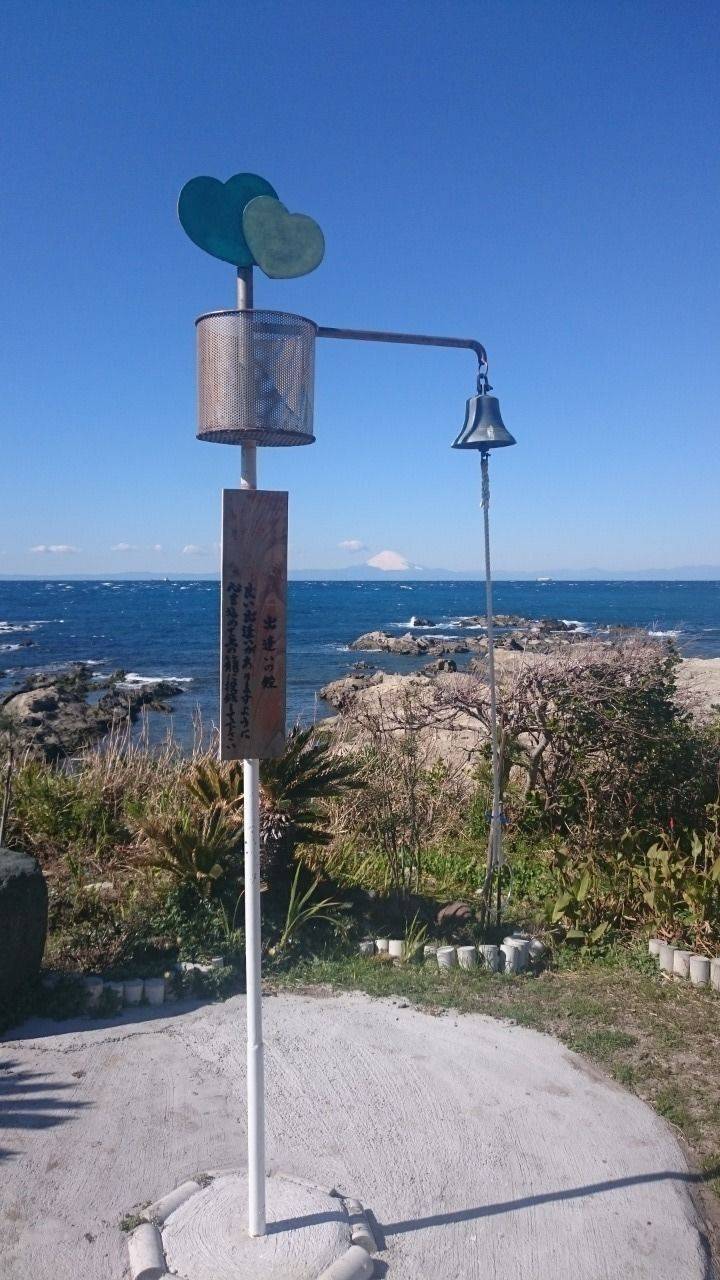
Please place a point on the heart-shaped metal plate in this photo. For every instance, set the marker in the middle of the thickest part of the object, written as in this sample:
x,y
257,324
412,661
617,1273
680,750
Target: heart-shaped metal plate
x,y
211,214
283,244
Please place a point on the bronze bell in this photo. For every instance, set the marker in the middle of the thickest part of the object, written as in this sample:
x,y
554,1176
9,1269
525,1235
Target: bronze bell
x,y
483,427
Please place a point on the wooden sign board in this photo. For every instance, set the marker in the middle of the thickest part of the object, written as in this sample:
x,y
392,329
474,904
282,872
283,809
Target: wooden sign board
x,y
253,598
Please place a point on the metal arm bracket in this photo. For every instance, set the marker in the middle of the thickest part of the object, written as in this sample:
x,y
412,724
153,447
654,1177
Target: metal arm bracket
x,y
415,340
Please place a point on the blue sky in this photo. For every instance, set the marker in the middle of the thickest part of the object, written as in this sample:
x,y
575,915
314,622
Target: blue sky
x,y
541,176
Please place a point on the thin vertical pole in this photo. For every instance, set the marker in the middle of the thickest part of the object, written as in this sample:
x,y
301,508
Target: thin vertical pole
x,y
248,452
495,843
253,936
253,976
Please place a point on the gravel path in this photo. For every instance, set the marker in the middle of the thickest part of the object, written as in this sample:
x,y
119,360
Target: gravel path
x,y
483,1150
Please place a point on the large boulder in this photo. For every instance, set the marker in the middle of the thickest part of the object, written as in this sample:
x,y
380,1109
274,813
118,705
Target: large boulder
x,y
440,664
23,918
415,704
341,693
374,641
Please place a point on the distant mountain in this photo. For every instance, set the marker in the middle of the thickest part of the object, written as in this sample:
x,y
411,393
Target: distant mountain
x,y
369,573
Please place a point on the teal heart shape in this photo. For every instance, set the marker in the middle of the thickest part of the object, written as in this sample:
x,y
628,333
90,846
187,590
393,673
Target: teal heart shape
x,y
283,244
211,214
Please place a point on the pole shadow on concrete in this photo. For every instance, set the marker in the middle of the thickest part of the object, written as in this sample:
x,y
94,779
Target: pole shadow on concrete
x,y
309,1220
546,1197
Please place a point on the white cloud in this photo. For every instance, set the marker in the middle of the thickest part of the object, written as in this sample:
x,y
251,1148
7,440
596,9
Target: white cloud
x,y
352,544
156,546
193,550
124,546
389,560
54,549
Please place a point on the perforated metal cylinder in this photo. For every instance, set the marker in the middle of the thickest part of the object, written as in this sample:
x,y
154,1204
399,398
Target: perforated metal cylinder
x,y
256,377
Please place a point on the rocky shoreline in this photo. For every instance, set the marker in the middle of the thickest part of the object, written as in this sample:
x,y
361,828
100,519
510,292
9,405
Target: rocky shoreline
x,y
512,632
421,699
56,715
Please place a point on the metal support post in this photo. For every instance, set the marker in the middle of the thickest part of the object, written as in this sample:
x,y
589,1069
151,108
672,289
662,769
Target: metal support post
x,y
253,975
253,940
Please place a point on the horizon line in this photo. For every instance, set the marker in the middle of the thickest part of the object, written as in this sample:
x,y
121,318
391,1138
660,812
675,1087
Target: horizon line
x,y
609,575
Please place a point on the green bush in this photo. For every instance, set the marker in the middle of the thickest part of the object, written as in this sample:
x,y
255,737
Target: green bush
x,y
197,927
621,752
671,886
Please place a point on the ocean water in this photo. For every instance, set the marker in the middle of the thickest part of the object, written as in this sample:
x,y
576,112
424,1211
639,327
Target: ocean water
x,y
171,628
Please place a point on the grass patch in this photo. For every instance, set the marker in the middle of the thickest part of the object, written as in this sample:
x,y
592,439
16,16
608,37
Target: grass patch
x,y
671,1104
131,1221
603,1043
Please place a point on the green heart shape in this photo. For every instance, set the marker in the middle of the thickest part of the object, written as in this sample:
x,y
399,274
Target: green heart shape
x,y
211,214
283,244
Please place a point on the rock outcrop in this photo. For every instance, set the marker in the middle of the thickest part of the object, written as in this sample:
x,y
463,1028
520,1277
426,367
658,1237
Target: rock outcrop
x,y
54,715
440,664
513,632
418,646
340,694
408,703
435,703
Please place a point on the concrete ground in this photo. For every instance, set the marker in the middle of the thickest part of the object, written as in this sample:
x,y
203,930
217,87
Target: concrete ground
x,y
482,1150
207,1237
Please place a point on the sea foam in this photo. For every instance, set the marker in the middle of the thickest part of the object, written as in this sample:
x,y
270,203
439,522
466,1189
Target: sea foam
x,y
132,679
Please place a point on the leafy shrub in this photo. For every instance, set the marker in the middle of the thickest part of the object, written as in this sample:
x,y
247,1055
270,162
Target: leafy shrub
x,y
197,927
90,931
64,998
671,886
679,879
594,741
57,813
216,984
624,753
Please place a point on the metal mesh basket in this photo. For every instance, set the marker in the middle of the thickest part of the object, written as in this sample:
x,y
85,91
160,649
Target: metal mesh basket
x,y
256,377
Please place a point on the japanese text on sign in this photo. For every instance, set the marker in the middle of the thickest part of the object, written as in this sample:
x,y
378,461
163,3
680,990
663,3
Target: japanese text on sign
x,y
254,575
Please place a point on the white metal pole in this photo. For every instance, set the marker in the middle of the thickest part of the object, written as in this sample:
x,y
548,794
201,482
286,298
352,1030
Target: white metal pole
x,y
496,815
253,939
253,976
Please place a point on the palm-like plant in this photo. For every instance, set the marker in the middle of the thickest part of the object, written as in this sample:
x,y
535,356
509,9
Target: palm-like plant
x,y
192,848
210,783
292,788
